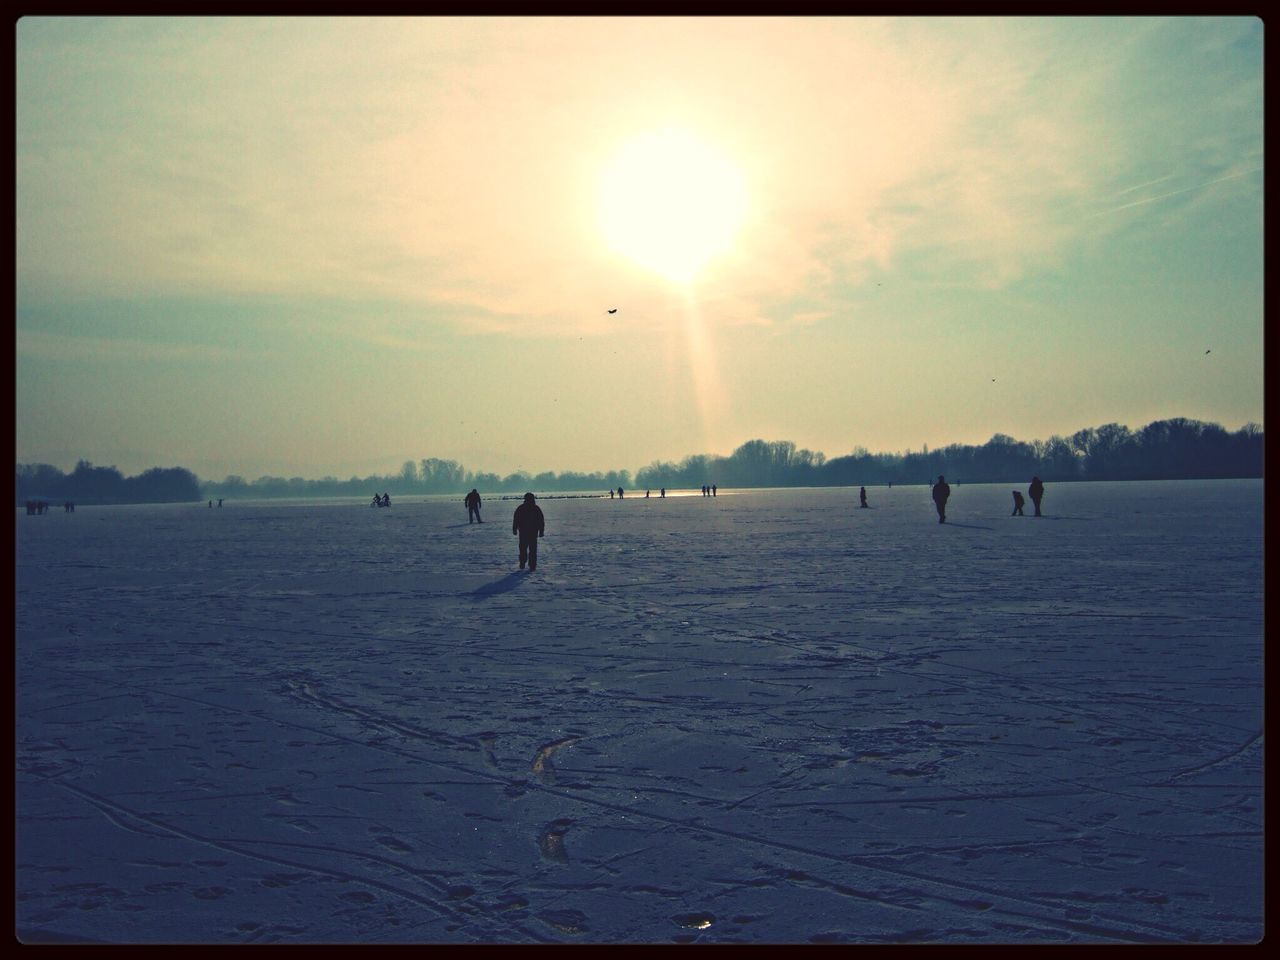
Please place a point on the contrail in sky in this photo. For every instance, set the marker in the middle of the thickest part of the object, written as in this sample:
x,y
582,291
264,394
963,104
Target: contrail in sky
x,y
1149,183
1174,193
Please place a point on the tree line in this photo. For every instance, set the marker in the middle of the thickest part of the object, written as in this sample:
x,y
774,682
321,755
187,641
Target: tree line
x,y
1176,449
98,485
428,476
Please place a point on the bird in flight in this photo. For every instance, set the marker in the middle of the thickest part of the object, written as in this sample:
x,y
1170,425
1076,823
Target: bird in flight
x,y
614,310
1208,351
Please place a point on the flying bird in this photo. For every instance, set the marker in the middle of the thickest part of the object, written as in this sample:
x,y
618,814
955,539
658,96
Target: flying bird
x,y
1208,351
614,310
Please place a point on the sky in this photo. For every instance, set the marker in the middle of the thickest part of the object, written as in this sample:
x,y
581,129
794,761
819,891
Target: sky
x,y
324,246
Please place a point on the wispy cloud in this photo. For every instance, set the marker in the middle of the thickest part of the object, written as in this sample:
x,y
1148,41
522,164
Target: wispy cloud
x,y
454,165
1174,193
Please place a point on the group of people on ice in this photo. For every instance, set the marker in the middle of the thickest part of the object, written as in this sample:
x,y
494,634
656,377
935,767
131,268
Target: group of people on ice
x,y
378,501
942,492
37,507
529,524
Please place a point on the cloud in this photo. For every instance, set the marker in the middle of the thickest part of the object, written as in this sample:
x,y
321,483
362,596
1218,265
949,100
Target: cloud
x,y
450,162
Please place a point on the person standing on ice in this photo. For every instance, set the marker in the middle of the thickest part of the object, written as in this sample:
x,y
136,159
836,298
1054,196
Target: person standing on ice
x,y
862,495
941,491
1036,492
528,522
1018,503
472,501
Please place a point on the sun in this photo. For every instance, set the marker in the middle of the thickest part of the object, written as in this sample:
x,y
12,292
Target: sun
x,y
670,202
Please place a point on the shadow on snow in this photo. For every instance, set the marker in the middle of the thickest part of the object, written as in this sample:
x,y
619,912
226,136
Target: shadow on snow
x,y
509,582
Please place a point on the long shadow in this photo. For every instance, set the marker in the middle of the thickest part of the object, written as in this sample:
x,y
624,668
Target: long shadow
x,y
966,526
507,583
454,526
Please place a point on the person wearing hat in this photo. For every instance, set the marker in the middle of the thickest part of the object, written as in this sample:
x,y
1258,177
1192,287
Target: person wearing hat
x,y
530,525
941,491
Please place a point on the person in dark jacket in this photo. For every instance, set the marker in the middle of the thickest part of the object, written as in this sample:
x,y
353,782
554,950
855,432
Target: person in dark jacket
x,y
862,495
1036,492
941,491
1018,503
472,500
528,522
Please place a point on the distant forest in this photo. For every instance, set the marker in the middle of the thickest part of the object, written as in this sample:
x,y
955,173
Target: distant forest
x,y
1177,449
90,484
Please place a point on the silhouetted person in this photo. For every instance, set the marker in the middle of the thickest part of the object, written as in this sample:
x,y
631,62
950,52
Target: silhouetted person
x,y
713,489
220,501
611,493
662,493
619,493
941,491
210,504
1036,492
377,500
472,500
386,499
1018,503
646,494
862,496
528,522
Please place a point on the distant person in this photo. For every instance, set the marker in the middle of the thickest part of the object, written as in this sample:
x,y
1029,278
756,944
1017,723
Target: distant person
x,y
713,489
377,500
386,499
619,493
1036,492
646,494
611,493
941,491
862,496
662,494
472,500
210,504
528,522
220,501
1018,504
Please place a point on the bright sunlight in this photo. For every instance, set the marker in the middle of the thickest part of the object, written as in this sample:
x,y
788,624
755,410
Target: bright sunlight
x,y
670,202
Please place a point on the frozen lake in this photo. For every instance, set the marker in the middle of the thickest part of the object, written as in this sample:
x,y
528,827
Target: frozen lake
x,y
765,717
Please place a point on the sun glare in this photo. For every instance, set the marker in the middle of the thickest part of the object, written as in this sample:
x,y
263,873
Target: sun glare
x,y
670,202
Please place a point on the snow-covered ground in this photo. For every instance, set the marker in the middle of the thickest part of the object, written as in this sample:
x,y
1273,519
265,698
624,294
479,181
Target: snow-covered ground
x,y
770,716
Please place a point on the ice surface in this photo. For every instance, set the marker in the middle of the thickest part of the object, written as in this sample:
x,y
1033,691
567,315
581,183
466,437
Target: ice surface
x,y
768,716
